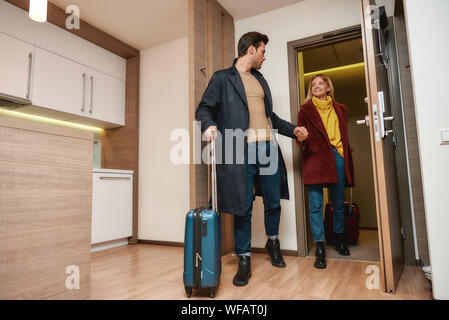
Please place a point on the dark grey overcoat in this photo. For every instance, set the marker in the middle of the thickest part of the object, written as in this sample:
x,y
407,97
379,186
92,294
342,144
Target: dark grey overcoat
x,y
224,105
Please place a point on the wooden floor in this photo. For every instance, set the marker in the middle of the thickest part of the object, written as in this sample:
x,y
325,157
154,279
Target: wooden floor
x,y
155,272
367,248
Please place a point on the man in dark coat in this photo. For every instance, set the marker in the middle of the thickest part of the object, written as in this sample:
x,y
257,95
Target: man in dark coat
x,y
237,105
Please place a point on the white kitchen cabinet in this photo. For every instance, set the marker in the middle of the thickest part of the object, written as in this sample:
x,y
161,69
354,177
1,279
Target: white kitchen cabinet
x,y
16,67
16,23
69,45
59,83
106,97
64,76
67,86
112,205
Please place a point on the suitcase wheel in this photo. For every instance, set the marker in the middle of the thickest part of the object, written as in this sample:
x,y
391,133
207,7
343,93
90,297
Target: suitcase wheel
x,y
189,291
212,292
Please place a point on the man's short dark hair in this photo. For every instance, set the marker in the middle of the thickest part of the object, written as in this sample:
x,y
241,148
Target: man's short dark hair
x,y
248,39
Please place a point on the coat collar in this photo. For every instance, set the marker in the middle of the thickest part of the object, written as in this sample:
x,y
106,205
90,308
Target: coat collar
x,y
312,113
237,82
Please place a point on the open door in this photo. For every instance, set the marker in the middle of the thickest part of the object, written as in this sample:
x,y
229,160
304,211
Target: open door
x,y
379,120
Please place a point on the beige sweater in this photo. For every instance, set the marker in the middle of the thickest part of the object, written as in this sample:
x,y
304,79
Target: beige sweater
x,y
259,128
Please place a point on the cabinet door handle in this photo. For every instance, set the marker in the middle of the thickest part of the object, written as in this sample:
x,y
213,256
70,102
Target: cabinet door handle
x,y
30,65
115,178
91,93
84,92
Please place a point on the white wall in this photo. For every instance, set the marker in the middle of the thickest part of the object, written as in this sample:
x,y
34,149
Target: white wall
x,y
428,31
304,19
164,106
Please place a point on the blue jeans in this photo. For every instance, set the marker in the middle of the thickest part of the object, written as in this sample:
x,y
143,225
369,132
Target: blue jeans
x,y
271,191
337,195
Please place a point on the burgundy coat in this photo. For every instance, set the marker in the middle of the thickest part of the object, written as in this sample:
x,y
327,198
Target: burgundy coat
x,y
318,162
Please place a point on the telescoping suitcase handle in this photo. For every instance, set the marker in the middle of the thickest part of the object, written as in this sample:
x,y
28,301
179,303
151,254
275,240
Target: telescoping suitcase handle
x,y
350,203
213,162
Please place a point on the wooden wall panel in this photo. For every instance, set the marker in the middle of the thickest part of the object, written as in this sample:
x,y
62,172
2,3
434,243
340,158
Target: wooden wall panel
x,y
228,38
211,48
214,55
45,209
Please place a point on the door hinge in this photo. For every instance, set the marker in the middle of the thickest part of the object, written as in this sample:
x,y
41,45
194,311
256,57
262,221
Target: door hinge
x,y
403,231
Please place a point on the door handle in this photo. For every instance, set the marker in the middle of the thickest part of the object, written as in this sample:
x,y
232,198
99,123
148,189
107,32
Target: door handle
x,y
364,121
91,93
115,178
30,65
84,92
376,123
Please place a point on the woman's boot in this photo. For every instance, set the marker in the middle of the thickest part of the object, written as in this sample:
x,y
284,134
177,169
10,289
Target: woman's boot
x,y
320,261
340,244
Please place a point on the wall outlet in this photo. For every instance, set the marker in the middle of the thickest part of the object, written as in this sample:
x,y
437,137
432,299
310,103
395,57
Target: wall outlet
x,y
444,136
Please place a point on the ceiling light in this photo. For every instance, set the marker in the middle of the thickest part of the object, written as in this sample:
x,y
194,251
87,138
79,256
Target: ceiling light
x,y
346,67
38,10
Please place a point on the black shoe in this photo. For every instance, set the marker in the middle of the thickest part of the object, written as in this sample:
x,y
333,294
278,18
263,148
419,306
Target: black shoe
x,y
243,272
273,248
320,261
340,244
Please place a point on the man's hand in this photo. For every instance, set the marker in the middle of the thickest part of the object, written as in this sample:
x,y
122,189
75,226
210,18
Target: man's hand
x,y
211,132
301,133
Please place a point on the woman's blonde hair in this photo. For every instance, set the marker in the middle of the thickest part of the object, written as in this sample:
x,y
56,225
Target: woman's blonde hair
x,y
327,80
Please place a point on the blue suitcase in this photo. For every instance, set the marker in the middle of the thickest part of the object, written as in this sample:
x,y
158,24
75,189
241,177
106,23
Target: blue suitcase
x,y
202,251
202,244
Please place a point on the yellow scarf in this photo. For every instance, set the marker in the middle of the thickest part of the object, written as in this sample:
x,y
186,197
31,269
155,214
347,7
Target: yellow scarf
x,y
330,120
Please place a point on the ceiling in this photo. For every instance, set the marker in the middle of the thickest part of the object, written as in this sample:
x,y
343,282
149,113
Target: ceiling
x,y
147,23
332,56
247,8
138,23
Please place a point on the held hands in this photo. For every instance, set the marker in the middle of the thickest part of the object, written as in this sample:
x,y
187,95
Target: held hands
x,y
301,133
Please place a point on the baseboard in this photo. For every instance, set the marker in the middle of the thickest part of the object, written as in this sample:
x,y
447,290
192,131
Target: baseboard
x,y
293,253
108,244
161,243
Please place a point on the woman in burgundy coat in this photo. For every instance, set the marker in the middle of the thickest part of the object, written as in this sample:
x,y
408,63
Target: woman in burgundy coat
x,y
326,160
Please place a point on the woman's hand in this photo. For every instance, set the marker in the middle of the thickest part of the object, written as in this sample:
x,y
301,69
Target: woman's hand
x,y
301,133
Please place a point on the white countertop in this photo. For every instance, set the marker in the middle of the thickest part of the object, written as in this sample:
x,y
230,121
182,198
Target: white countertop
x,y
101,170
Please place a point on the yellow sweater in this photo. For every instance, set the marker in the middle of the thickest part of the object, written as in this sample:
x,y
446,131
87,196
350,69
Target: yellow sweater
x,y
330,120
